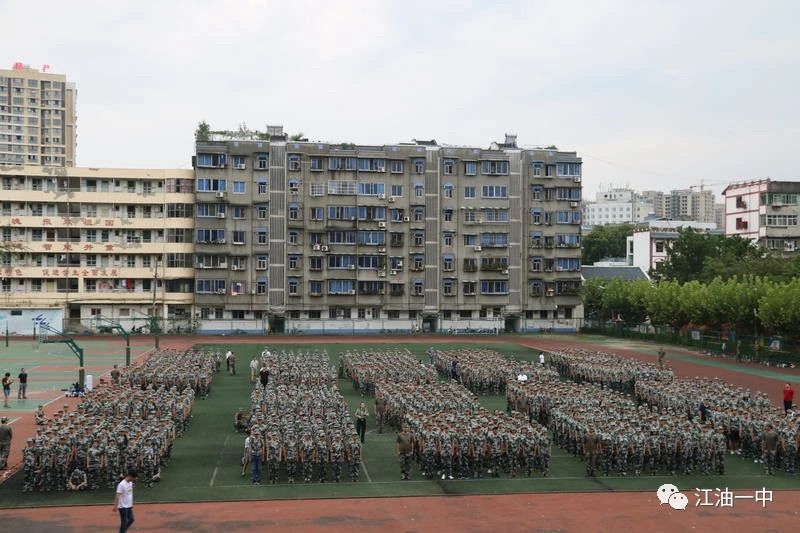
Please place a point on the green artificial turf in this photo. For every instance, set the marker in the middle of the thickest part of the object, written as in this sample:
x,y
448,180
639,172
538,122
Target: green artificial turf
x,y
205,464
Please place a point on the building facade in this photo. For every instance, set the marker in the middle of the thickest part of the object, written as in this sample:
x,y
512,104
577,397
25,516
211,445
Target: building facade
x,y
85,243
317,237
610,207
38,121
651,240
764,211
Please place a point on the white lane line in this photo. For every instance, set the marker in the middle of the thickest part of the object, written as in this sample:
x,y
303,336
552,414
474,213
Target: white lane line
x,y
364,466
219,458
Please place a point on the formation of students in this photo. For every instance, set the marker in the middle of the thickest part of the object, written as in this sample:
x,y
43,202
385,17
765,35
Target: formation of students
x,y
366,367
752,425
485,371
605,369
299,426
115,429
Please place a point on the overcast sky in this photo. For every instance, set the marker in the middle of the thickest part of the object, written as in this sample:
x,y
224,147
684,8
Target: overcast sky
x,y
651,94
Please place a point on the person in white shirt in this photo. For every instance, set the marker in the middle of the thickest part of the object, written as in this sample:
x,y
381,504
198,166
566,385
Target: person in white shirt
x,y
522,377
228,355
253,370
541,358
123,501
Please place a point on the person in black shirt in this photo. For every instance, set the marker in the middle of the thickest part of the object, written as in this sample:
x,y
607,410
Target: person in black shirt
x,y
22,391
263,375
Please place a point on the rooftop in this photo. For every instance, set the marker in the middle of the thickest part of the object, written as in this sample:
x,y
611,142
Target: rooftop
x,y
625,273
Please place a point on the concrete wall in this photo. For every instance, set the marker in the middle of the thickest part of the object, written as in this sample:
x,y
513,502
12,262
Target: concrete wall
x,y
21,321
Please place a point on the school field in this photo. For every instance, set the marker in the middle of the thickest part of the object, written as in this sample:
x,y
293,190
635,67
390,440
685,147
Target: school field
x,y
205,464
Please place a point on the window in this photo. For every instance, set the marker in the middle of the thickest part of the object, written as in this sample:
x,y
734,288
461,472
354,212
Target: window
x,y
210,210
341,286
211,185
239,187
495,215
449,287
494,287
262,236
262,262
494,168
294,212
419,287
294,162
342,188
568,264
419,214
448,263
537,168
261,286
342,212
317,213
317,189
419,190
238,162
470,168
568,169
211,160
447,190
777,199
396,167
262,161
449,166
238,237
210,286
419,166
315,263
470,240
371,238
397,190
469,288
447,215
262,212
239,212
417,262
779,220
293,285
469,192
497,240
315,288
214,236
494,191
371,165
536,192
294,262
418,238
371,189
447,238
262,186
316,164
294,185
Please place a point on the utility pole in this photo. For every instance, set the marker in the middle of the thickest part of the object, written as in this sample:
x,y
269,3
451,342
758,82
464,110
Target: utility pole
x,y
154,326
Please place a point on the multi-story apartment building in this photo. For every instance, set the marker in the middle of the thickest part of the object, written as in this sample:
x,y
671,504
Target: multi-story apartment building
x,y
652,240
37,118
683,204
765,211
613,206
80,243
309,236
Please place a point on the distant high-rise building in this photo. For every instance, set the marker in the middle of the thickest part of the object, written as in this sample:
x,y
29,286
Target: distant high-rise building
x,y
37,118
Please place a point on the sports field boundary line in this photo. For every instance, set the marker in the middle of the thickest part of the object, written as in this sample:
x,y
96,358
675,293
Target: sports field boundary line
x,y
377,496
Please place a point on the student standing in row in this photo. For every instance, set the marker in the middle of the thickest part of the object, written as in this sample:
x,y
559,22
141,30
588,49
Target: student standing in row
x,y
22,391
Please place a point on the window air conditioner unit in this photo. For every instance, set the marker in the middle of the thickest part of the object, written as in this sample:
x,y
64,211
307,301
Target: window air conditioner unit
x,y
223,265
505,272
220,194
477,248
399,264
220,215
351,292
479,221
381,250
382,196
391,199
240,166
351,267
220,241
220,291
381,274
406,219
324,248
381,292
574,204
381,224
394,272
252,291
316,247
576,179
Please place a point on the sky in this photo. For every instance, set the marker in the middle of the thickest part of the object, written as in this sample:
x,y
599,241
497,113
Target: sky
x,y
652,94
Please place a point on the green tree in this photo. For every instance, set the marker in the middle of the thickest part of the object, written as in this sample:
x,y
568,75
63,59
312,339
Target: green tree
x,y
698,255
203,131
297,136
605,241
